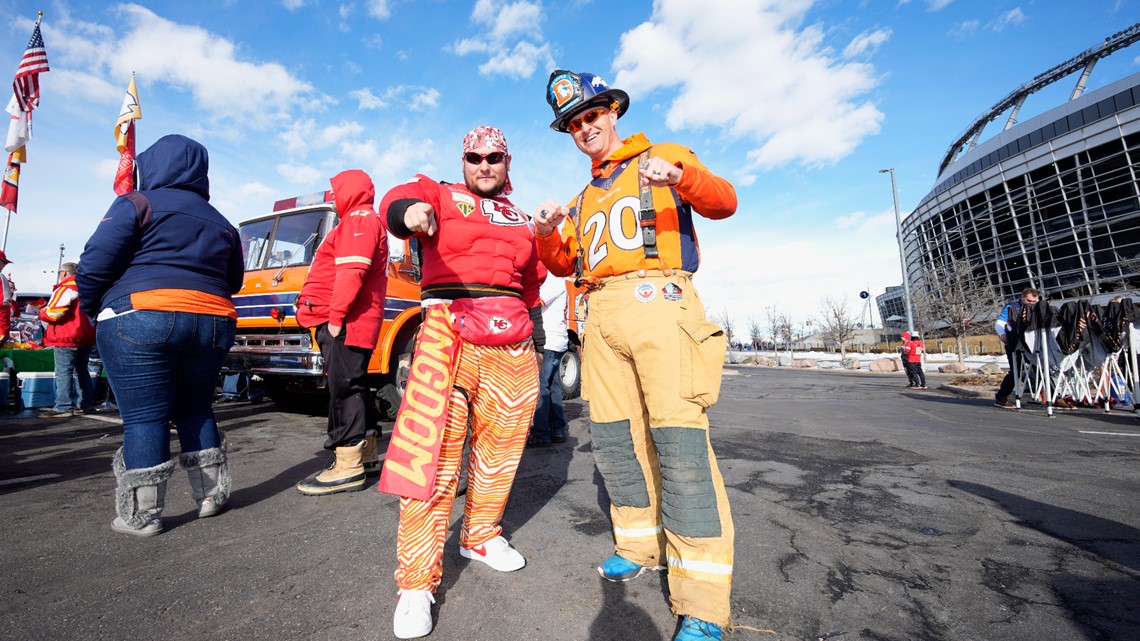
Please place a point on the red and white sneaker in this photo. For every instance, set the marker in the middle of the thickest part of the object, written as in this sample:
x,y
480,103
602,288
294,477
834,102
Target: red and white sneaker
x,y
496,553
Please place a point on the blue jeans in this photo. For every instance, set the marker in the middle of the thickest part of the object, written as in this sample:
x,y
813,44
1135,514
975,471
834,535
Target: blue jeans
x,y
549,419
71,374
163,367
238,385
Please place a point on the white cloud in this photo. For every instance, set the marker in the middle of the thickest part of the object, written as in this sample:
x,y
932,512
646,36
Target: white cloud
x,y
782,87
965,28
519,62
207,66
298,174
380,9
512,31
867,43
744,278
937,5
1012,18
292,5
408,97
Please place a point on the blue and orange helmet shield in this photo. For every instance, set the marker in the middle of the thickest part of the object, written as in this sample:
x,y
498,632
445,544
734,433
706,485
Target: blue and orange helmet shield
x,y
570,94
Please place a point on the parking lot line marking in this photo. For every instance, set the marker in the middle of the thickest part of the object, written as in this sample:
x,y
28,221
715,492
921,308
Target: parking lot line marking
x,y
28,479
105,419
1111,433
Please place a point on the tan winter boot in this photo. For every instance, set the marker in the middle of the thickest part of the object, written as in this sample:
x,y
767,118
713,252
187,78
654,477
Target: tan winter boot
x,y
370,456
346,474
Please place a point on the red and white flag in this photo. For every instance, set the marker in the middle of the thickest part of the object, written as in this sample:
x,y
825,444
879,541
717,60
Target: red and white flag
x,y
10,188
125,140
26,91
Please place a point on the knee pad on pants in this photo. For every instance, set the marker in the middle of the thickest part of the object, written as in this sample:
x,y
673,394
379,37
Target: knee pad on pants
x,y
688,498
617,461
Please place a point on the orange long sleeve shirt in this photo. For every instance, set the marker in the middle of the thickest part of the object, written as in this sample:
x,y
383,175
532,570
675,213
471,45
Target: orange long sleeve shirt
x,y
607,230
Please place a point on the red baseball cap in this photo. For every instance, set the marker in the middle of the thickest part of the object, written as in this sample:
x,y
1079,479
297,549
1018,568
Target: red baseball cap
x,y
4,257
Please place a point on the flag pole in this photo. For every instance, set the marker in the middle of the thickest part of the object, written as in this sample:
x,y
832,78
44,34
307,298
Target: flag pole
x,y
7,221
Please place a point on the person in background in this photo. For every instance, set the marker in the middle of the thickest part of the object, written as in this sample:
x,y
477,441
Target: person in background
x,y
913,352
480,293
1009,313
549,419
343,298
241,386
652,362
72,337
8,301
158,275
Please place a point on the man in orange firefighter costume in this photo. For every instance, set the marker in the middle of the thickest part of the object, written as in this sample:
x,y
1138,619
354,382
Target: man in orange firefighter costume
x,y
652,361
475,358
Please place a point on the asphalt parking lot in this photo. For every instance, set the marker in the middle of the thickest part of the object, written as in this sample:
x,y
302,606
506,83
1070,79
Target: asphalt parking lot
x,y
863,511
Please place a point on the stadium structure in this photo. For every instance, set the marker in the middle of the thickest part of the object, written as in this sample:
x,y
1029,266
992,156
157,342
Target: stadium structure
x,y
1052,202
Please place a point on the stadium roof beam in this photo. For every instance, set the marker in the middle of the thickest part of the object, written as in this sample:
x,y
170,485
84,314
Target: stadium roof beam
x,y
1084,60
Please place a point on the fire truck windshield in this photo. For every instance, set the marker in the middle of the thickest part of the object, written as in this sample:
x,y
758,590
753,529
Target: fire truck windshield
x,y
285,241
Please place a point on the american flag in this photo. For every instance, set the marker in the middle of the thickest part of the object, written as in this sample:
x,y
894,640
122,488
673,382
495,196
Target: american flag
x,y
27,83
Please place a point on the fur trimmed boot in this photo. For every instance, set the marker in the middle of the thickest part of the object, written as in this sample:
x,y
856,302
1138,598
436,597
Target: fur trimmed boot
x,y
370,456
345,474
209,477
139,496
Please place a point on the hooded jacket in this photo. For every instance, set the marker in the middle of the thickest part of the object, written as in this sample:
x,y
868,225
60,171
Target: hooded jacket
x,y
67,326
182,244
348,279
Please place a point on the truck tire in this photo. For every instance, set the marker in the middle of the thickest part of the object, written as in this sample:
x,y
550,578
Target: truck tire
x,y
391,393
570,373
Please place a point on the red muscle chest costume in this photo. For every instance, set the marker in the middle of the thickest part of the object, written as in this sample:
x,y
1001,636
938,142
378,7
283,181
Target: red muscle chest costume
x,y
483,246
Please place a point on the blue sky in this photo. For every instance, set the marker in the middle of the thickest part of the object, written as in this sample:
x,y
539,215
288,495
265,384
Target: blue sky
x,y
798,103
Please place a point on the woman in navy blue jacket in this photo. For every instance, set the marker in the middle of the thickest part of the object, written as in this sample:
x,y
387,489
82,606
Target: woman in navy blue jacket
x,y
158,275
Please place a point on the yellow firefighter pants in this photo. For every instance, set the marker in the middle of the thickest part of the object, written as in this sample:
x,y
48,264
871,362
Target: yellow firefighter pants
x,y
498,387
652,366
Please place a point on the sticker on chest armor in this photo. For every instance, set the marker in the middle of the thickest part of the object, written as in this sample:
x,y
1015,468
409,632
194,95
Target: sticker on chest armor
x,y
645,293
500,214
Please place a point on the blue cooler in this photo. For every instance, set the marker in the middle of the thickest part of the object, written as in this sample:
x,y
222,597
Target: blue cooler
x,y
37,389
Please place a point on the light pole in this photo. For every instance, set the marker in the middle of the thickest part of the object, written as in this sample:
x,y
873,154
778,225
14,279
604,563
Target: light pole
x,y
902,256
60,265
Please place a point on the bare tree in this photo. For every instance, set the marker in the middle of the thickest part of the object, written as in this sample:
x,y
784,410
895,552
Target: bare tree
x,y
956,297
725,321
755,333
774,316
837,322
784,330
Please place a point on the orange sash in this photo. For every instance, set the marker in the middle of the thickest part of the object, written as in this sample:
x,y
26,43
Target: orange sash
x,y
413,451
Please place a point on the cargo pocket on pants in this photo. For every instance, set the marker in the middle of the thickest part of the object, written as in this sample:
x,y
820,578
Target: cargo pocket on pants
x,y
702,359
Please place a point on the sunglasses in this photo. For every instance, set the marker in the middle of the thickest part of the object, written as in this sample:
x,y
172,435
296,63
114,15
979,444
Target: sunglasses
x,y
588,118
493,158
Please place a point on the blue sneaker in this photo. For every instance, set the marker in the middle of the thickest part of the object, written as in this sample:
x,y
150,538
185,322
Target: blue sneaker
x,y
693,629
619,568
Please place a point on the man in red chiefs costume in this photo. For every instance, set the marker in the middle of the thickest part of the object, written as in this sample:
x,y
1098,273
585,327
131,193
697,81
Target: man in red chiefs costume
x,y
343,297
481,277
652,361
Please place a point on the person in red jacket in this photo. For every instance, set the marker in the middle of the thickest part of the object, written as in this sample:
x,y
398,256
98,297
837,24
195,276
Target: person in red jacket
x,y
8,302
72,336
343,298
913,352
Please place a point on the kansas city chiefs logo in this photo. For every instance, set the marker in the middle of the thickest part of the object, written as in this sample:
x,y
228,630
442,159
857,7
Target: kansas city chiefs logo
x,y
498,324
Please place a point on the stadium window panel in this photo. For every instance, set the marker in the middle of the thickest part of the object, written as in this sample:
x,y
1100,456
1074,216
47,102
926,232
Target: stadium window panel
x,y
1106,107
1035,138
1090,114
1060,127
1076,120
1123,100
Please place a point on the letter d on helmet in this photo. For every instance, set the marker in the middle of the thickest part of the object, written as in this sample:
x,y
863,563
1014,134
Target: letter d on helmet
x,y
570,94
